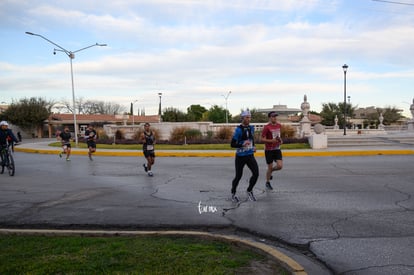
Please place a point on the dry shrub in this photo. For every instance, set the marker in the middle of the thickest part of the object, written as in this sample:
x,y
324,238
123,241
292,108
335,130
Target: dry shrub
x,y
101,133
119,134
177,135
193,135
182,134
287,131
140,131
225,133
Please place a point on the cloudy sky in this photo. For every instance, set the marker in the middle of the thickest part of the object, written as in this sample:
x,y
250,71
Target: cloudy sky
x,y
266,52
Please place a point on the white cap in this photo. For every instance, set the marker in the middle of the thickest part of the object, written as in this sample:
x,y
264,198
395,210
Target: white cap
x,y
4,123
245,113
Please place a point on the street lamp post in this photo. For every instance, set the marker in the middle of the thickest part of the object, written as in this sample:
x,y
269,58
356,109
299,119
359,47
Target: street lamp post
x,y
71,55
345,68
132,112
226,97
159,107
349,115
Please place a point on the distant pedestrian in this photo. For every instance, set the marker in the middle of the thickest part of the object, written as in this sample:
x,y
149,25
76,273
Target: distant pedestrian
x,y
148,140
243,140
90,137
19,136
65,138
272,141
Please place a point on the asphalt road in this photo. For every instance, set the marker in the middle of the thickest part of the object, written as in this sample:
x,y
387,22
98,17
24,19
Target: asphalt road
x,y
352,215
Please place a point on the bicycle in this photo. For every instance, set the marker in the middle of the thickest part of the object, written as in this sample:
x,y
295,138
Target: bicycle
x,y
7,159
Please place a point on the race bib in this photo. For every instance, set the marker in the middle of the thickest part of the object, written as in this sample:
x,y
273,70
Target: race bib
x,y
150,147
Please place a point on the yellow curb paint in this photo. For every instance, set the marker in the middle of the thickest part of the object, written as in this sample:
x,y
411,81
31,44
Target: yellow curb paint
x,y
290,264
82,152
201,153
347,153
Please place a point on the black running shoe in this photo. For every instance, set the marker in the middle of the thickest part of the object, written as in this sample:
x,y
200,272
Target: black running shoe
x,y
251,196
268,186
145,167
234,198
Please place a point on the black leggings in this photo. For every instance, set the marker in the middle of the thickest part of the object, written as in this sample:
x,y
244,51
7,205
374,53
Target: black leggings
x,y
252,164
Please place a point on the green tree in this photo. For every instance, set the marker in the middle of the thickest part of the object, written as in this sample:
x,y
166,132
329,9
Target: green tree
x,y
331,110
195,112
256,116
328,113
29,114
390,115
216,114
172,114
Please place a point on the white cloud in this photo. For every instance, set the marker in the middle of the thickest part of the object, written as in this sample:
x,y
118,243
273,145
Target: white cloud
x,y
265,52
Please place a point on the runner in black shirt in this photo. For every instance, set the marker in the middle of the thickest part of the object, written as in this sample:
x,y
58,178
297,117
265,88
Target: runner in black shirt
x,y
90,136
148,140
65,138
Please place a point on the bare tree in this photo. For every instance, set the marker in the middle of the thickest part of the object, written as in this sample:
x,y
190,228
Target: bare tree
x,y
94,107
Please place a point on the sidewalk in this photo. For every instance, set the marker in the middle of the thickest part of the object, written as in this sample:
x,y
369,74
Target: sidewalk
x,y
40,146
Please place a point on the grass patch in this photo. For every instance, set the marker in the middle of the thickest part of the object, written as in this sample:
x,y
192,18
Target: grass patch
x,y
181,147
123,255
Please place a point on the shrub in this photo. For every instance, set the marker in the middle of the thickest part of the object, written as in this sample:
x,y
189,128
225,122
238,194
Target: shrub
x,y
138,133
136,136
100,132
181,134
192,135
225,133
178,134
119,134
295,140
287,131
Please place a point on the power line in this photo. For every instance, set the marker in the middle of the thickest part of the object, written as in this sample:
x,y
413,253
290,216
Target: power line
x,y
394,2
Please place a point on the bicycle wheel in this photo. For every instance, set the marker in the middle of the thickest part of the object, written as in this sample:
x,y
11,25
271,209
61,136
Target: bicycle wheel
x,y
11,165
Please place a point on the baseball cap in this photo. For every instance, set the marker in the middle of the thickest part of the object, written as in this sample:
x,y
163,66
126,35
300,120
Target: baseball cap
x,y
272,113
4,123
245,113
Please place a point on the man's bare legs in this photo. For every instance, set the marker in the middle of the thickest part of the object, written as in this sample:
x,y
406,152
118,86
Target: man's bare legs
x,y
270,169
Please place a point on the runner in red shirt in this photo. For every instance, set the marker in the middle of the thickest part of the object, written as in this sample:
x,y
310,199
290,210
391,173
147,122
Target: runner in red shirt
x,y
272,140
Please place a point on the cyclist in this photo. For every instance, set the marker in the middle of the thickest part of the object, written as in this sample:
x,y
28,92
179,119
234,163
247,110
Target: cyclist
x,y
6,136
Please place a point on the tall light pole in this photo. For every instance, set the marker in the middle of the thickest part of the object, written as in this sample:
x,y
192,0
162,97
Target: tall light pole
x,y
132,112
349,106
226,97
345,68
159,107
71,55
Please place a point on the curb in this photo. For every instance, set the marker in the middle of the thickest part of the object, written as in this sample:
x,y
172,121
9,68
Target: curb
x,y
183,153
291,265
